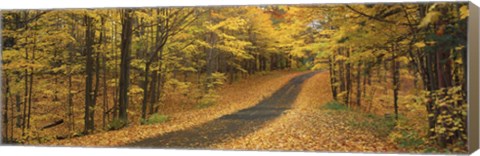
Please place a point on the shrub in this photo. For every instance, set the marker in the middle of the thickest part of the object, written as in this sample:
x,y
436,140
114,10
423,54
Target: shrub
x,y
302,68
154,119
116,124
215,80
207,100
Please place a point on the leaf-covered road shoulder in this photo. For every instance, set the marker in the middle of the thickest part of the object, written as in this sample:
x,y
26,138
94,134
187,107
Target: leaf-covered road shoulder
x,y
309,126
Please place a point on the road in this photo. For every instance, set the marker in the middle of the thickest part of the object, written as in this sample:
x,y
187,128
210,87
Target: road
x,y
230,126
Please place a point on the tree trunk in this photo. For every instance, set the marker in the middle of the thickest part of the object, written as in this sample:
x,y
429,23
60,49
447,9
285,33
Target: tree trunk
x,y
333,77
431,86
395,75
5,102
145,91
115,99
231,71
210,60
103,67
105,92
71,54
30,92
359,82
341,75
348,79
6,93
126,41
25,99
153,91
96,89
70,102
273,62
30,88
18,106
89,94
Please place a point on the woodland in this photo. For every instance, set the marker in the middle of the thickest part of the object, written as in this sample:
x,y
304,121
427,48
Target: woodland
x,y
343,77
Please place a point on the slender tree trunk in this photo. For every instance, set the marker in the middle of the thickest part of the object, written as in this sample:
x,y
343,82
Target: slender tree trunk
x,y
359,86
272,62
264,63
5,94
18,106
70,114
159,91
5,102
153,91
70,102
104,69
89,93
115,110
12,125
145,91
396,83
231,71
31,86
25,100
125,63
30,92
348,79
161,80
105,92
148,59
210,58
431,87
341,74
155,37
97,87
333,77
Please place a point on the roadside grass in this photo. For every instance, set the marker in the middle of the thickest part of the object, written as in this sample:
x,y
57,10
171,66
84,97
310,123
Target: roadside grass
x,y
380,126
335,105
385,127
154,119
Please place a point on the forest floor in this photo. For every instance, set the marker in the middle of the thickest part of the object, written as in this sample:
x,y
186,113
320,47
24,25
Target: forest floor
x,y
233,97
288,111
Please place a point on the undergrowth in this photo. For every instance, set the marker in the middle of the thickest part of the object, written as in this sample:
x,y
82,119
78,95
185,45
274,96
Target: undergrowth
x,y
335,105
398,131
116,124
207,100
154,119
380,126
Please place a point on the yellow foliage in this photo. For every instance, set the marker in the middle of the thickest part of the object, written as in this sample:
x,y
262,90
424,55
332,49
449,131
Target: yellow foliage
x,y
431,17
464,12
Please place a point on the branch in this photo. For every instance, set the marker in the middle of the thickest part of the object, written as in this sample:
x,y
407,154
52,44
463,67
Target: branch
x,y
35,17
373,17
53,124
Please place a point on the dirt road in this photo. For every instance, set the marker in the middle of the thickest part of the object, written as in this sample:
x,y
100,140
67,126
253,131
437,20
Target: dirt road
x,y
233,125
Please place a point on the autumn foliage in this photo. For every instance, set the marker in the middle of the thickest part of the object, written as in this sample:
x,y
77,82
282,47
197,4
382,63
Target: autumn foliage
x,y
385,77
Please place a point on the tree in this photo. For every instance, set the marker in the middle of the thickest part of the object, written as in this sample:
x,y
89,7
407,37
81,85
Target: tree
x,y
126,40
